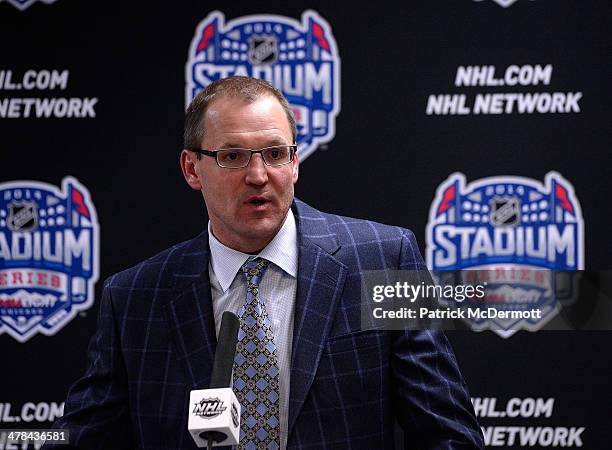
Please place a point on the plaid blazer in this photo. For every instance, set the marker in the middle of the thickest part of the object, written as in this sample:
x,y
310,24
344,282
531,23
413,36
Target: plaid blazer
x,y
156,341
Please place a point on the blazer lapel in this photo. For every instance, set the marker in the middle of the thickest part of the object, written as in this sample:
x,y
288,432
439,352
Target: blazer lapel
x,y
189,314
320,281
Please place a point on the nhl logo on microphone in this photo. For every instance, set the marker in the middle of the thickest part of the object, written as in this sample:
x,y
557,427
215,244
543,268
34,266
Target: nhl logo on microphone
x,y
214,413
209,408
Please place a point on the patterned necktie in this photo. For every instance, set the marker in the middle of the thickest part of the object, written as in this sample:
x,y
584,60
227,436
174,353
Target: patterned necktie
x,y
256,368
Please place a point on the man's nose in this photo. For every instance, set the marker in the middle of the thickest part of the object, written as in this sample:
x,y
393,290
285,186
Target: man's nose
x,y
257,171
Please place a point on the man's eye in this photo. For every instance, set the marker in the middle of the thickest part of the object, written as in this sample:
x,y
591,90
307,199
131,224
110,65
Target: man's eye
x,y
275,154
231,156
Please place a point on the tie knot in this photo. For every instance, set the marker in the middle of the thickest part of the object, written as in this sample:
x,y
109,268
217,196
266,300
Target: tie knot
x,y
254,270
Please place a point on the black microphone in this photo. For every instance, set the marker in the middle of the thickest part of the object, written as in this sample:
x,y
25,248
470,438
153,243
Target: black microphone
x,y
226,351
214,413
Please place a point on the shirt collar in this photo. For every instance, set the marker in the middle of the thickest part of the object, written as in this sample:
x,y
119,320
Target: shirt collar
x,y
281,251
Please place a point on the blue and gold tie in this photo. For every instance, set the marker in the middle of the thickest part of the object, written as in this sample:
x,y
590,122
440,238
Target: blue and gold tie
x,y
256,368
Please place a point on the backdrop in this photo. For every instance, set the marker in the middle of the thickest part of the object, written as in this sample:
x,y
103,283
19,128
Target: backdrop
x,y
395,103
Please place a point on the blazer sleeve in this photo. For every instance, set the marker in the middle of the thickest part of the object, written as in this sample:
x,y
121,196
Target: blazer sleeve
x,y
96,412
432,402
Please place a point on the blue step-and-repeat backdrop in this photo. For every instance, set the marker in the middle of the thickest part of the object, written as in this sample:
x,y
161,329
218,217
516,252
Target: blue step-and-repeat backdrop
x,y
452,118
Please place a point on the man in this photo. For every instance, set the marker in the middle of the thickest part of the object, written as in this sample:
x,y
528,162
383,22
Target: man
x,y
305,373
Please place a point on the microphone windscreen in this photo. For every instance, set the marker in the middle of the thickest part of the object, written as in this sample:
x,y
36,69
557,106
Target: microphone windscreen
x,y
221,376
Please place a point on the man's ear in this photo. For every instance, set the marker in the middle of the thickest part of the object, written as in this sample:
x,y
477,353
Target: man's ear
x,y
188,162
296,168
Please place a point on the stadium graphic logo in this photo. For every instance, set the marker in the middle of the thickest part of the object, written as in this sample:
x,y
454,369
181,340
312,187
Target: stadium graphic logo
x,y
23,4
49,251
503,3
209,408
300,59
505,226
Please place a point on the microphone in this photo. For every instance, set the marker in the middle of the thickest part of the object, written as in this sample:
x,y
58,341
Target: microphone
x,y
214,413
221,376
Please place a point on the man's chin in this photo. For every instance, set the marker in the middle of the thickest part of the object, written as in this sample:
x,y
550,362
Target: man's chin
x,y
261,228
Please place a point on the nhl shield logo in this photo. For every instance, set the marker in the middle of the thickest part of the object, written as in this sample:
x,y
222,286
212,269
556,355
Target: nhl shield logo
x,y
516,230
504,211
22,216
263,50
48,256
299,59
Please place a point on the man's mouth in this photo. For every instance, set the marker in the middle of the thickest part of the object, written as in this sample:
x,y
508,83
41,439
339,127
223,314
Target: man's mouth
x,y
257,201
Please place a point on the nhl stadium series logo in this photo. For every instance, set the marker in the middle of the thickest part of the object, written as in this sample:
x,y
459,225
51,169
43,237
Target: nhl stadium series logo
x,y
48,256
516,230
299,59
23,4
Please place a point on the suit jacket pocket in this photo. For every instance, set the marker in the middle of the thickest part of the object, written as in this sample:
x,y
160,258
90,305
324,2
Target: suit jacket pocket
x,y
355,341
353,371
357,353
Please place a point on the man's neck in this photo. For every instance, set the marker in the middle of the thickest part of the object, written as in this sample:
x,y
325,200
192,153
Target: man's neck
x,y
248,246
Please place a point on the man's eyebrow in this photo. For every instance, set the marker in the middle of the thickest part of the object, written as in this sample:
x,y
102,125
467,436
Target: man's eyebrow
x,y
276,141
231,145
269,143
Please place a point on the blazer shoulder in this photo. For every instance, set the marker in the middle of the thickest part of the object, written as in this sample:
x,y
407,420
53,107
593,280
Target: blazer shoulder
x,y
154,272
384,246
363,230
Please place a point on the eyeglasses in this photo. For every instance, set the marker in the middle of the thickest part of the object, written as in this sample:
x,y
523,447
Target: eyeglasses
x,y
237,158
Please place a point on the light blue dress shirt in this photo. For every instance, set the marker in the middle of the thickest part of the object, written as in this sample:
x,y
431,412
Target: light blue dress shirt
x,y
277,290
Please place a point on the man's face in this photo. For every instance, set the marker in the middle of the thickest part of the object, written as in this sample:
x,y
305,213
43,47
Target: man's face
x,y
247,206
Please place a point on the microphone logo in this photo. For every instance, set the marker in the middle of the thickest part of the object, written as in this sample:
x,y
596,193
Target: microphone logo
x,y
209,408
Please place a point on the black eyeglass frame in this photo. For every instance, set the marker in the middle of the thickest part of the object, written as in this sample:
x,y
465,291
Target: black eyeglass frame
x,y
213,154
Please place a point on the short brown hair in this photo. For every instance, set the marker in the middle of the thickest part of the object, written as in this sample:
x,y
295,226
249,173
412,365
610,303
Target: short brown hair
x,y
245,88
